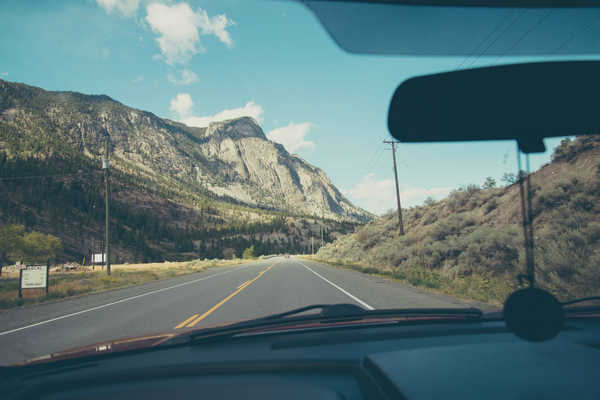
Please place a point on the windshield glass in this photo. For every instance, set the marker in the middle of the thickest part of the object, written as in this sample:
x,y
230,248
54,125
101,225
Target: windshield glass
x,y
171,165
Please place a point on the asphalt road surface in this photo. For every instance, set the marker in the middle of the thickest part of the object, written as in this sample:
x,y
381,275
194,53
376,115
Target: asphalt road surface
x,y
215,296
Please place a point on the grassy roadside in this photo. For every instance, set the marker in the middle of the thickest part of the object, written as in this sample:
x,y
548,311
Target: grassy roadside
x,y
76,283
477,287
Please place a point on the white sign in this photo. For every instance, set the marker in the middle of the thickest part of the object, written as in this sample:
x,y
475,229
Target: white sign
x,y
98,258
34,276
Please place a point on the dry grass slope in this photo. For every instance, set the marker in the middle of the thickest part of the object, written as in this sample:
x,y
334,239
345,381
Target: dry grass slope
x,y
471,244
69,284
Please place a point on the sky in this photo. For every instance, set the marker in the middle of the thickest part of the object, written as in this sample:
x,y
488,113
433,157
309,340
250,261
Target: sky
x,y
203,61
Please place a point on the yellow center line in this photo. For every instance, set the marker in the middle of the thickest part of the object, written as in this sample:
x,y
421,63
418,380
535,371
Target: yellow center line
x,y
181,325
194,319
243,284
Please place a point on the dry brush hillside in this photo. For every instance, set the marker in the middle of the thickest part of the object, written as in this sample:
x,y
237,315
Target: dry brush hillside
x,y
471,242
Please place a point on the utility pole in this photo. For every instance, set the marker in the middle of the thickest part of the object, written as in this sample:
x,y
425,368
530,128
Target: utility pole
x,y
322,219
105,167
312,243
400,223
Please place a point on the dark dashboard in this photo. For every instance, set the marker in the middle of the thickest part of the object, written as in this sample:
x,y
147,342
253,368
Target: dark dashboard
x,y
423,361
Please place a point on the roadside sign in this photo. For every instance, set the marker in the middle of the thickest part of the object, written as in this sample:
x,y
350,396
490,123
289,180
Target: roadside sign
x,y
34,277
98,258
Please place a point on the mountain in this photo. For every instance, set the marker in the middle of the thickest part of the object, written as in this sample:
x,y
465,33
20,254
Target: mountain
x,y
231,159
194,184
471,243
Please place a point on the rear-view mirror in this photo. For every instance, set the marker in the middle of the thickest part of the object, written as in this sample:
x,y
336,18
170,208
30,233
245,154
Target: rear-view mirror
x,y
525,102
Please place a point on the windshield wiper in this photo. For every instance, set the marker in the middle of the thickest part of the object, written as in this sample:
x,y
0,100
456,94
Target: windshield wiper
x,y
330,313
582,300
335,311
327,311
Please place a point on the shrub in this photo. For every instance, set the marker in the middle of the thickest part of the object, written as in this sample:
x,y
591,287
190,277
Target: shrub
x,y
457,199
248,253
430,218
509,178
583,202
592,232
491,205
562,150
429,201
464,198
488,249
472,189
452,225
489,183
362,235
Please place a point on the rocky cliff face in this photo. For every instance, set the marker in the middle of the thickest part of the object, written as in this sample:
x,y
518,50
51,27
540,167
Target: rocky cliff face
x,y
263,173
231,159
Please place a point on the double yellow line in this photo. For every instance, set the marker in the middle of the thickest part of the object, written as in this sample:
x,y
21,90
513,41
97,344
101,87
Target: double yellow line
x,y
194,319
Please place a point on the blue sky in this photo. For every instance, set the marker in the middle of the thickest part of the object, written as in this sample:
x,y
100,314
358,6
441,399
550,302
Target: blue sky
x,y
199,61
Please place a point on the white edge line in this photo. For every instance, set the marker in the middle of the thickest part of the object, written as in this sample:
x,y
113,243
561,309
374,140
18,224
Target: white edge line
x,y
356,299
115,302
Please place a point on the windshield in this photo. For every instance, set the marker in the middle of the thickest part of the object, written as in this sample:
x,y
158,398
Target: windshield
x,y
169,165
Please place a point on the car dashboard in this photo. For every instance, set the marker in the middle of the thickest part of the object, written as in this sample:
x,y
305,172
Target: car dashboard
x,y
467,360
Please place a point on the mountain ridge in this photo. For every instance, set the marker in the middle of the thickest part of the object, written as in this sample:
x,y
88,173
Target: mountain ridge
x,y
228,157
177,192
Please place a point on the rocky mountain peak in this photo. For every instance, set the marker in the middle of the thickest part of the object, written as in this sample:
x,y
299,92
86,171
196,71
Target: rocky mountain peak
x,y
237,128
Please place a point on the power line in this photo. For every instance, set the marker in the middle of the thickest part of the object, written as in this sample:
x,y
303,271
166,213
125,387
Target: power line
x,y
588,26
535,25
372,158
498,37
489,35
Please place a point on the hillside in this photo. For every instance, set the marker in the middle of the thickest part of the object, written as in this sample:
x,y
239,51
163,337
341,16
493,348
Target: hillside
x,y
230,159
471,243
178,192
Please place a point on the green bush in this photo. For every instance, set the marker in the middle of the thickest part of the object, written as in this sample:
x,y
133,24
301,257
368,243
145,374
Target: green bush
x,y
488,249
248,253
489,183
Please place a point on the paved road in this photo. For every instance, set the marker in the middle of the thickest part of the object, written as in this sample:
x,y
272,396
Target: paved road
x,y
215,296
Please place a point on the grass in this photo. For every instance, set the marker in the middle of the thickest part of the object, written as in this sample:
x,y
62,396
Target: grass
x,y
69,284
471,245
478,287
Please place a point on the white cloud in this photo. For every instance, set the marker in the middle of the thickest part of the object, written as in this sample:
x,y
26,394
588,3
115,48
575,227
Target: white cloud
x,y
125,7
4,74
379,196
139,79
182,104
292,136
179,29
185,77
376,196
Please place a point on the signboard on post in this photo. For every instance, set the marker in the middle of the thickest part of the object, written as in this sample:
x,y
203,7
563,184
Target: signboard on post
x,y
34,277
98,258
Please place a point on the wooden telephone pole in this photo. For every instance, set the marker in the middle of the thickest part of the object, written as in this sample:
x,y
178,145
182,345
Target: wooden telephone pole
x,y
400,223
322,218
105,167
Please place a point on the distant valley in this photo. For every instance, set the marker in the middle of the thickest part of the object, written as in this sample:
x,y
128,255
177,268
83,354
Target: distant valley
x,y
179,192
